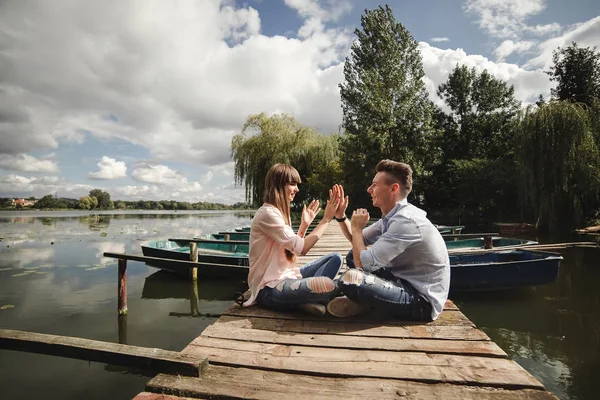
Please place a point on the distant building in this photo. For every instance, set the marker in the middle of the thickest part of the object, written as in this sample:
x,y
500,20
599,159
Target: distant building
x,y
23,202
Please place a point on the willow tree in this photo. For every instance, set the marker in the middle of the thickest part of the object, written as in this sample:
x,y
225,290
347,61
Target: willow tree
x,y
558,153
386,111
265,141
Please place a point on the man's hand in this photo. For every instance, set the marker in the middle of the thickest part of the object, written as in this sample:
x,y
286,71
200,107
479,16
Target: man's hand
x,y
360,219
337,192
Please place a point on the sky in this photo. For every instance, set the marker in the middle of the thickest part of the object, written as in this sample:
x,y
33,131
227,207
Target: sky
x,y
141,98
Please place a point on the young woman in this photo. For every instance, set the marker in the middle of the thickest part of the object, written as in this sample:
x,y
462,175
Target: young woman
x,y
274,280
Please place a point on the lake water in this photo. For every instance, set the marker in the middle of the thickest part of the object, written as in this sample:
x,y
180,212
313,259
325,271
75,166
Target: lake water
x,y
53,279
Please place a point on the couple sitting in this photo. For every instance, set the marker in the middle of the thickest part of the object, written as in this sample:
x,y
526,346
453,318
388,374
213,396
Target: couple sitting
x,y
405,271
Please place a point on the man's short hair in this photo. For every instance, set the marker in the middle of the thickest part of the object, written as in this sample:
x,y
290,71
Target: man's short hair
x,y
398,172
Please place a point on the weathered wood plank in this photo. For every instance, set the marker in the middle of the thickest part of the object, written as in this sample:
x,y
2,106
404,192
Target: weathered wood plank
x,y
433,368
468,347
160,396
110,353
452,332
244,383
450,317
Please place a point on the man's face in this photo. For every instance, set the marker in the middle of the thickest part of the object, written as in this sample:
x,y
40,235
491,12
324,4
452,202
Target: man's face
x,y
380,190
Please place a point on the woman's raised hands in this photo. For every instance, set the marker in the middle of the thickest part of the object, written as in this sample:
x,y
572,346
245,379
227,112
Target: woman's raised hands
x,y
337,192
309,213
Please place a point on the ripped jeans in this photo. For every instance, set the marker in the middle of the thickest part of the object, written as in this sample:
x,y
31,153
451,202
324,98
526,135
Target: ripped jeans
x,y
384,291
316,285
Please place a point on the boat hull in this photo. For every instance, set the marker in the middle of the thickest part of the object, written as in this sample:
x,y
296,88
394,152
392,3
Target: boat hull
x,y
502,270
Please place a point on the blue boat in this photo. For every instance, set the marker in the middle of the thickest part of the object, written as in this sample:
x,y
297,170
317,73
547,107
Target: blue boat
x,y
503,270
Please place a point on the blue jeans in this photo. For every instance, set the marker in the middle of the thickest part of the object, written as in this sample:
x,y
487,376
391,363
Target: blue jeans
x,y
384,291
316,286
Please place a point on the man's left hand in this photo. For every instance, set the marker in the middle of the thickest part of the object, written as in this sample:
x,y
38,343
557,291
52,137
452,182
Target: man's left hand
x,y
360,219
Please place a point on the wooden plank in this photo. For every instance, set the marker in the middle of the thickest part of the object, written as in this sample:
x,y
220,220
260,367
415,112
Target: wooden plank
x,y
159,396
451,332
243,383
450,317
105,352
466,347
421,367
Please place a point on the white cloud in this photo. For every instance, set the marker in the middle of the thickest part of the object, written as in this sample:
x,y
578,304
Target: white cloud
x,y
109,168
586,34
316,16
507,18
438,63
439,39
26,163
16,185
178,79
509,47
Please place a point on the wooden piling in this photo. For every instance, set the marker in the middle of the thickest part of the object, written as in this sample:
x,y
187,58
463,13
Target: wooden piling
x,y
194,258
122,289
487,242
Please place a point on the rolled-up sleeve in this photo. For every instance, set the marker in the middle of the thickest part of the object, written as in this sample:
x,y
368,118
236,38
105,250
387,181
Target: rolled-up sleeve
x,y
274,226
401,233
371,233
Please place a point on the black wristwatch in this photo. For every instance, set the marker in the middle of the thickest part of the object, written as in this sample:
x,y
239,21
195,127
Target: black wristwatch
x,y
340,219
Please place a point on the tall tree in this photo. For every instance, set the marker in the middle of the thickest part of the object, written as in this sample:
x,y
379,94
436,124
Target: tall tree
x,y
103,198
576,71
482,110
265,141
386,112
558,153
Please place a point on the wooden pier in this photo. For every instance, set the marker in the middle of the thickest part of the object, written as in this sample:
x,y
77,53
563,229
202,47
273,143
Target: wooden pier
x,y
258,354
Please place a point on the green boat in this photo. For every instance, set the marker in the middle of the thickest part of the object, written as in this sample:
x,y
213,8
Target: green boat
x,y
478,243
209,251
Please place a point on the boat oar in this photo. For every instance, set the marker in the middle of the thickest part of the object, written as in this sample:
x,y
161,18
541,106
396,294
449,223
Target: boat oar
x,y
548,246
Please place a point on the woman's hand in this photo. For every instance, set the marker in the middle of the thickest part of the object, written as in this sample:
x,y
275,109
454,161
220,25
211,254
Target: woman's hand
x,y
337,192
330,209
309,213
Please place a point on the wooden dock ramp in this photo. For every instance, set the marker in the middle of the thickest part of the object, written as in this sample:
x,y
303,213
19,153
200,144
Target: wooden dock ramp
x,y
259,354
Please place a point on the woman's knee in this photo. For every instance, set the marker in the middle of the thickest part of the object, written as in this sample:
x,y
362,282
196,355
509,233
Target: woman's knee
x,y
321,284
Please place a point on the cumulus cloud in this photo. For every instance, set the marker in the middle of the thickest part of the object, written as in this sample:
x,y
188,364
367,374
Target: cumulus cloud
x,y
16,185
179,80
26,163
439,39
509,47
438,63
109,168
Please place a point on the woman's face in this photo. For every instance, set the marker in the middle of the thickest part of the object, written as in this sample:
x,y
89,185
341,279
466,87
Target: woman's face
x,y
290,190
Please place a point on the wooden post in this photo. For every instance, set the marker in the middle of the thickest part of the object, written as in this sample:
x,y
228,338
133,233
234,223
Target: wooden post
x,y
194,307
122,291
194,258
487,242
122,323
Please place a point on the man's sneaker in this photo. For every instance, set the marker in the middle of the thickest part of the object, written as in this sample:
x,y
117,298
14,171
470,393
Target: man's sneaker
x,y
314,309
343,307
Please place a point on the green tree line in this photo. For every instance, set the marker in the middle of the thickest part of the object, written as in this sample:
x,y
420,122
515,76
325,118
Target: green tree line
x,y
479,152
100,200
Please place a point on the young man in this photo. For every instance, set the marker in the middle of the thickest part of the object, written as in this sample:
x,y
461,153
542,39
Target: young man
x,y
406,268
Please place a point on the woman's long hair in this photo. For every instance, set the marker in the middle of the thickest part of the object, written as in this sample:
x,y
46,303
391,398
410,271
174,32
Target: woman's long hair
x,y
276,180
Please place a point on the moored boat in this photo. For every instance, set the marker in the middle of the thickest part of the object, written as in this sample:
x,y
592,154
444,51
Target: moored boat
x,y
502,269
209,251
479,243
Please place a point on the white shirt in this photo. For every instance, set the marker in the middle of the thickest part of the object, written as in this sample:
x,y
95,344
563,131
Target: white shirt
x,y
406,243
